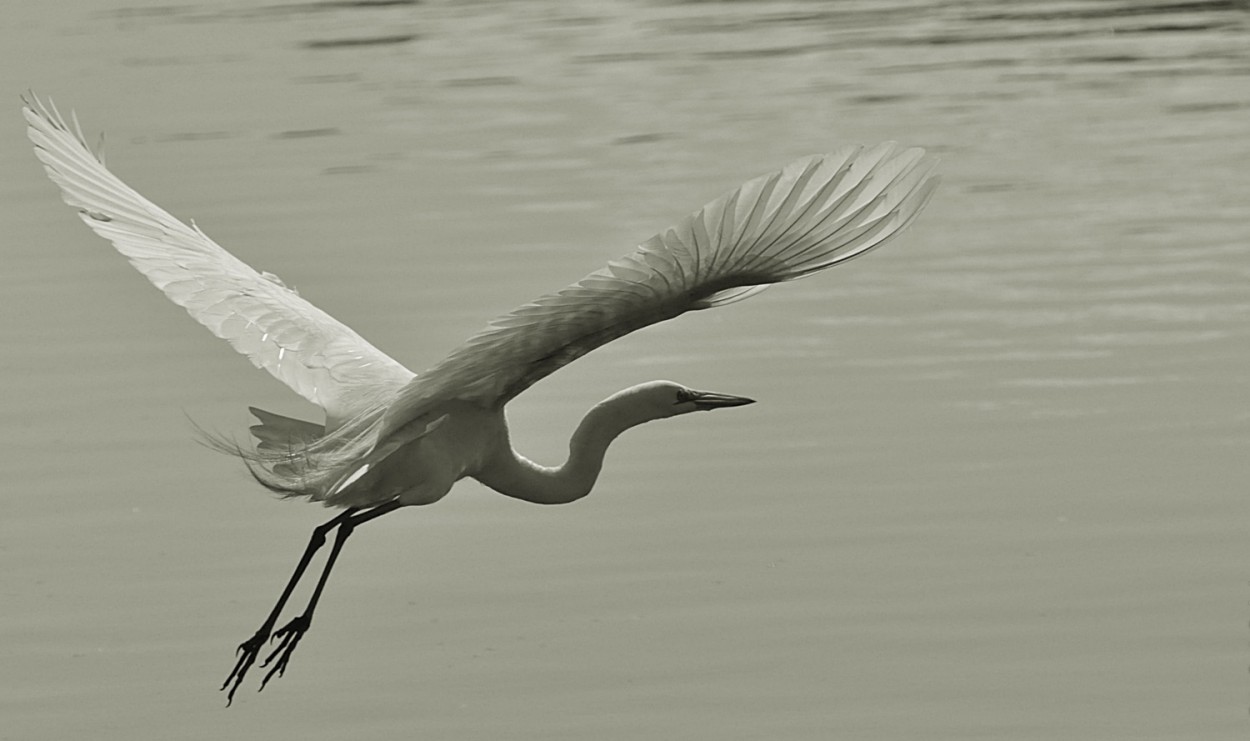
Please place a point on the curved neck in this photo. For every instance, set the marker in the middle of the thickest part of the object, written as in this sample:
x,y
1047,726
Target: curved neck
x,y
514,475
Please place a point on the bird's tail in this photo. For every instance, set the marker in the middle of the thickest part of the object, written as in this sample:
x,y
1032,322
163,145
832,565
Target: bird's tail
x,y
296,458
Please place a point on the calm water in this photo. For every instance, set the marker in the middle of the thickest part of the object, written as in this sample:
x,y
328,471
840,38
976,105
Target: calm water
x,y
994,489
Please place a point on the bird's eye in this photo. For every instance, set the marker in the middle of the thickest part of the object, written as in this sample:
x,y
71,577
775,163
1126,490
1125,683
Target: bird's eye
x,y
685,395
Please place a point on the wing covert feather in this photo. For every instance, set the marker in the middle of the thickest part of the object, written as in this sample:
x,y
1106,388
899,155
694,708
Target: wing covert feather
x,y
811,215
320,358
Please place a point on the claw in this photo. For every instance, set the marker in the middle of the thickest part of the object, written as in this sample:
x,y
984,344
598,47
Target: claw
x,y
247,653
291,633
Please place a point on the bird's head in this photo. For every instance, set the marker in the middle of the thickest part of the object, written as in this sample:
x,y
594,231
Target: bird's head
x,y
660,399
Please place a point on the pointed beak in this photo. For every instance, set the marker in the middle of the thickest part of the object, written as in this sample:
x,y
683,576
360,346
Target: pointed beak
x,y
705,400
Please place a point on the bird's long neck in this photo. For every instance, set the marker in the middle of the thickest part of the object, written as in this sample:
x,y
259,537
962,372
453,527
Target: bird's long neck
x,y
516,476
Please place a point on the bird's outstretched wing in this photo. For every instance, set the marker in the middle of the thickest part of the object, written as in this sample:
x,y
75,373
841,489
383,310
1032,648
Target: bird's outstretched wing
x,y
318,357
809,216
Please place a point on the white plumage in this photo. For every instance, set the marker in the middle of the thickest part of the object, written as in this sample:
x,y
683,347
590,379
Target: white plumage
x,y
392,438
321,359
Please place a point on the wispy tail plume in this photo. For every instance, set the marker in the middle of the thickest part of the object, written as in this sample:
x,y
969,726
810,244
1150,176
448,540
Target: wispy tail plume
x,y
296,458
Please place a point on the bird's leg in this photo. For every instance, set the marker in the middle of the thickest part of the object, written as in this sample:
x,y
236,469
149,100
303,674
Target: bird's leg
x,y
250,649
292,632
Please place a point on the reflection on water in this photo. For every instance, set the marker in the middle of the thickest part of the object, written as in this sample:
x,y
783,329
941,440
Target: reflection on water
x,y
994,486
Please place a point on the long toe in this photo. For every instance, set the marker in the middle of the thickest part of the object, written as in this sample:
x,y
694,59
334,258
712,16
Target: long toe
x,y
247,652
290,635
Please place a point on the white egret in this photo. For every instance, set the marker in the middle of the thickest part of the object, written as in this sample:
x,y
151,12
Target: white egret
x,y
392,438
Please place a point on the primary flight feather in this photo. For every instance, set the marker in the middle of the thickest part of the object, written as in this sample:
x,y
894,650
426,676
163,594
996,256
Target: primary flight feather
x,y
811,215
321,359
393,438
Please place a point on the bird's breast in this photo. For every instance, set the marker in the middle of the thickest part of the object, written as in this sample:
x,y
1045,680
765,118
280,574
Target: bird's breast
x,y
468,438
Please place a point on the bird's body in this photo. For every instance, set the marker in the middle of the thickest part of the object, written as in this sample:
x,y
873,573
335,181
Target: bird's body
x,y
393,438
422,471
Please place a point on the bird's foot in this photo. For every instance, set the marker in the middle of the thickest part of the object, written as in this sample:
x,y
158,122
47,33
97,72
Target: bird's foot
x,y
291,633
247,653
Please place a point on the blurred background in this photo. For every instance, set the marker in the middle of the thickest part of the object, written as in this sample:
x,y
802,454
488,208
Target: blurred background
x,y
994,486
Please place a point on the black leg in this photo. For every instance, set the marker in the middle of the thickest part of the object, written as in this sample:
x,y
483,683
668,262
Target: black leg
x,y
250,649
291,633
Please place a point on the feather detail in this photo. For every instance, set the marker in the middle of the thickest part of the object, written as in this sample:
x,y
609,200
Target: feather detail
x,y
809,216
315,355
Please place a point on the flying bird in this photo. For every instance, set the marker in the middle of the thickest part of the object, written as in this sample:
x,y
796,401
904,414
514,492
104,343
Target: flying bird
x,y
393,438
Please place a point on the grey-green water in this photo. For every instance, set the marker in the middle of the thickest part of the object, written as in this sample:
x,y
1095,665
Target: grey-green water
x,y
994,487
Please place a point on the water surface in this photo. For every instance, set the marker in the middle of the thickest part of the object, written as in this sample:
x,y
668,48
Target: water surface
x,y
994,487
